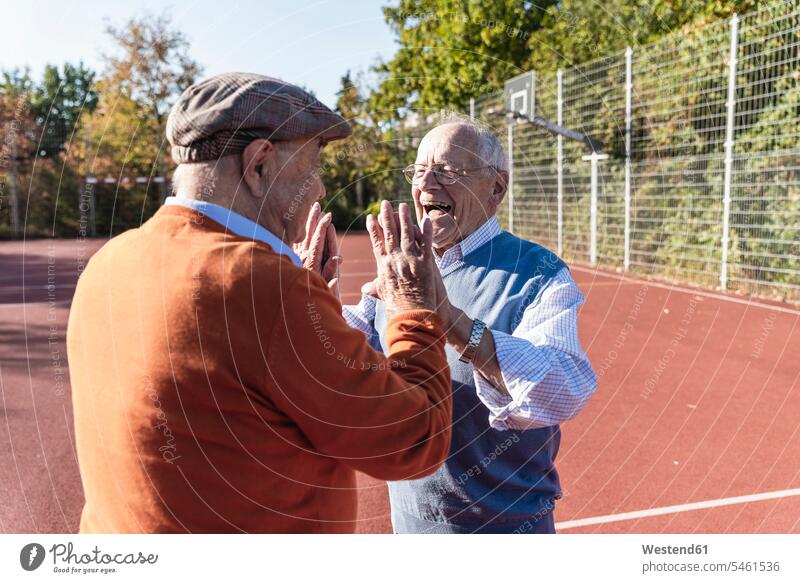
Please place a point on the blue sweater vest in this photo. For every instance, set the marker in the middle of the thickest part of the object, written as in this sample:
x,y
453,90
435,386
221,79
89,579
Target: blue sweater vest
x,y
492,481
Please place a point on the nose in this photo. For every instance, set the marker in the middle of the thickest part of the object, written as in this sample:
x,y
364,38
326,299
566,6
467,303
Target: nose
x,y
428,181
320,189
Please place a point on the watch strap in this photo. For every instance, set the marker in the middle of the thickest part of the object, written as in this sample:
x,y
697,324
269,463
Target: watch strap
x,y
475,336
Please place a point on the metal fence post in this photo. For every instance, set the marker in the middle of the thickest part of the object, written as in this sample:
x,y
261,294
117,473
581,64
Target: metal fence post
x,y
511,176
560,160
729,136
594,157
628,114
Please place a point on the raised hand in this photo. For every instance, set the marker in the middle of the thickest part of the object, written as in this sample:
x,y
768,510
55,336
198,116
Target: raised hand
x,y
319,250
404,255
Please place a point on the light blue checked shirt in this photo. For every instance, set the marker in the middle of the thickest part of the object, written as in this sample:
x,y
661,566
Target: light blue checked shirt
x,y
547,374
236,223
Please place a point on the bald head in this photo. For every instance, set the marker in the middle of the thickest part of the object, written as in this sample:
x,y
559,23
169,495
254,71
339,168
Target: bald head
x,y
469,183
475,137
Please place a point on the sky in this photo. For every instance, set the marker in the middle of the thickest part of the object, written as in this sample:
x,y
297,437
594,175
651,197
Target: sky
x,y
308,42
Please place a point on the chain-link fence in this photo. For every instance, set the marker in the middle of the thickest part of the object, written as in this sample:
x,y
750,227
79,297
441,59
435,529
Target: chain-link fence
x,y
701,182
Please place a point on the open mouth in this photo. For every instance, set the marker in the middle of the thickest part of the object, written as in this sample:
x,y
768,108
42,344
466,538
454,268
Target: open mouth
x,y
434,209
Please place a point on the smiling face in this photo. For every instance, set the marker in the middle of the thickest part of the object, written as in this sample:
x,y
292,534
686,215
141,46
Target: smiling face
x,y
455,210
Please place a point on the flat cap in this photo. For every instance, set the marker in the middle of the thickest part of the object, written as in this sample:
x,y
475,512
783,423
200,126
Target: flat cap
x,y
223,114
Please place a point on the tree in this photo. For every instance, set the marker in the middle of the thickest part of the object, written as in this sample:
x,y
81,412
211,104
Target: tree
x,y
573,32
37,118
17,82
18,132
141,81
126,135
58,103
451,50
364,167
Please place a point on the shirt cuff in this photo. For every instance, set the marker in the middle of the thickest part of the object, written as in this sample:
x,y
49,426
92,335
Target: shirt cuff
x,y
362,317
495,401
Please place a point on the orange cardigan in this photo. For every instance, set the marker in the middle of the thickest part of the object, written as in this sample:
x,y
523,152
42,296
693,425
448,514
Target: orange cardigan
x,y
217,388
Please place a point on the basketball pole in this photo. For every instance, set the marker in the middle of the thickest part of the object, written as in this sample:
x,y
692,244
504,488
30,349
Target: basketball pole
x,y
593,144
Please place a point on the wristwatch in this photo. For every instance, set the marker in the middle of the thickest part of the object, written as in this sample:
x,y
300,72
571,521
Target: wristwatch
x,y
478,328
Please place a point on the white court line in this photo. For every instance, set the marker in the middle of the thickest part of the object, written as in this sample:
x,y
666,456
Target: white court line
x,y
42,286
677,508
688,290
17,305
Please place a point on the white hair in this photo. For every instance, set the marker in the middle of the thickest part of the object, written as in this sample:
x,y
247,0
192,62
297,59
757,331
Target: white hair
x,y
490,148
201,177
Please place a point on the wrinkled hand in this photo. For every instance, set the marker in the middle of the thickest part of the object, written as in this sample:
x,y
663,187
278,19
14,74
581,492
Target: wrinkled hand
x,y
319,251
447,312
404,255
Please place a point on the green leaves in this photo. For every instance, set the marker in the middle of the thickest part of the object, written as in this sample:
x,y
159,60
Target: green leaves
x,y
72,124
451,51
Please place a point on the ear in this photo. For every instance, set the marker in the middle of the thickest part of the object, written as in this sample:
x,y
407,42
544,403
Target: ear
x,y
500,187
254,163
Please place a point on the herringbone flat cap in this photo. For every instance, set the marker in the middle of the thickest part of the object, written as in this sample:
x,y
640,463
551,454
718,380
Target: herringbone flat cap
x,y
223,114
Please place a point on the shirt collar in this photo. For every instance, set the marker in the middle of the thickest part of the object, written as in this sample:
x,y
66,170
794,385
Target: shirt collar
x,y
483,234
237,224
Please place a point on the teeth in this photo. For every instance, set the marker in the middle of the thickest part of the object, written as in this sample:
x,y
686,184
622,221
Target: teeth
x,y
436,206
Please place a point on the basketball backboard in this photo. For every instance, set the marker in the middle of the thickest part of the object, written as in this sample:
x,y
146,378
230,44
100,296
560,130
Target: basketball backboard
x,y
520,94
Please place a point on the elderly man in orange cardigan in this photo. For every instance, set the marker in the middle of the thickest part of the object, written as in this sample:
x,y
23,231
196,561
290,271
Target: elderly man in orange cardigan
x,y
216,386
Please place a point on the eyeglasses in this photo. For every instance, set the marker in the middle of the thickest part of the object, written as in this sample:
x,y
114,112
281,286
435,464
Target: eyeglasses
x,y
444,176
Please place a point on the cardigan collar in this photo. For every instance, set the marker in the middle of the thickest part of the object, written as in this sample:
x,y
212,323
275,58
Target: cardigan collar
x,y
237,224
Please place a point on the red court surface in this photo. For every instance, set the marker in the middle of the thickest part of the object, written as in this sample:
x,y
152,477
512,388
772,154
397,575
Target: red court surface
x,y
698,405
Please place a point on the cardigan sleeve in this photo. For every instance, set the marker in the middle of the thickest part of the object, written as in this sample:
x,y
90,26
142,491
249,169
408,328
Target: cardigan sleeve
x,y
389,417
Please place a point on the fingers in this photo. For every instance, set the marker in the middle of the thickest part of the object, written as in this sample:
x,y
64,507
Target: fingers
x,y
407,236
330,248
331,244
390,228
311,223
417,235
316,247
333,285
370,288
427,238
376,237
417,206
330,270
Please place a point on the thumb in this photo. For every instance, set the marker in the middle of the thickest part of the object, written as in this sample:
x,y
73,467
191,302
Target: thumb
x,y
371,288
333,285
331,268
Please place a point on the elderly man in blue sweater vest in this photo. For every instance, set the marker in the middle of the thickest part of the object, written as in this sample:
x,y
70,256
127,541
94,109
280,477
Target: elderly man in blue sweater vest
x,y
518,368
